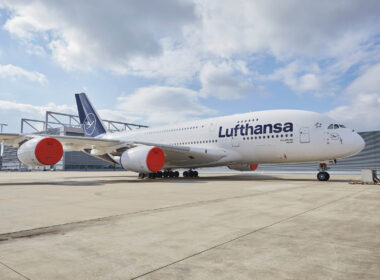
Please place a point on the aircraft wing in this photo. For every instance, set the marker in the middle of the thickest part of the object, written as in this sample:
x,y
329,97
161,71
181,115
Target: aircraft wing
x,y
15,139
176,156
9,136
185,156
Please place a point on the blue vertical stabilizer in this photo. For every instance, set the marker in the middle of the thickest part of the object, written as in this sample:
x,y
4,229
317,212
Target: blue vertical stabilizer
x,y
89,118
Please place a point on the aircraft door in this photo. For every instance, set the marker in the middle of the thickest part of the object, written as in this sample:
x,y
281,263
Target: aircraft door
x,y
304,135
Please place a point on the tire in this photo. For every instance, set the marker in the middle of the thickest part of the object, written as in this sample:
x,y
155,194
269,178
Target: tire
x,y
323,176
186,174
195,174
176,174
159,174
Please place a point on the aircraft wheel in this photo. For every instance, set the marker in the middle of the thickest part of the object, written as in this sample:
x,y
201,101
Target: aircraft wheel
x,y
166,174
171,174
195,173
159,174
323,176
186,174
176,174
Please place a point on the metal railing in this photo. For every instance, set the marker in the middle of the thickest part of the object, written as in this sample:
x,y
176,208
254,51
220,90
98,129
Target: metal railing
x,y
55,120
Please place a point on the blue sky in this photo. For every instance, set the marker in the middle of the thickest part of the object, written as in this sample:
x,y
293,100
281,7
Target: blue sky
x,y
166,61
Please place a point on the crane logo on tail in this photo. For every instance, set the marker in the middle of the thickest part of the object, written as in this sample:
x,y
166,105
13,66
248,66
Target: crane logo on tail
x,y
89,124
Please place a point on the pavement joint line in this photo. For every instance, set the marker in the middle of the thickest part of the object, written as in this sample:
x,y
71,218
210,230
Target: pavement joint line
x,y
15,271
246,234
92,222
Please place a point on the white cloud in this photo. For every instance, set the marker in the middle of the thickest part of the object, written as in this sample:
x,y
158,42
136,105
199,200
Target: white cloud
x,y
353,49
298,76
84,35
226,80
176,65
368,82
13,72
115,115
309,82
363,94
362,113
35,111
164,104
98,34
179,42
285,28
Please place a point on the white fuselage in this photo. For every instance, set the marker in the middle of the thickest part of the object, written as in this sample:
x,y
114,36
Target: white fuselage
x,y
276,136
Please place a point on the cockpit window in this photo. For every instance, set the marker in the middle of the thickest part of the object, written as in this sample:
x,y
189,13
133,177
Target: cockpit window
x,y
335,126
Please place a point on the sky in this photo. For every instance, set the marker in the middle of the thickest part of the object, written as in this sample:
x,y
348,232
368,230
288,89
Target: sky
x,y
165,61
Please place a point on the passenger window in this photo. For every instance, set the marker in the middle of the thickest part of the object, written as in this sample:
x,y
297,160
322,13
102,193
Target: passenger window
x,y
336,126
331,126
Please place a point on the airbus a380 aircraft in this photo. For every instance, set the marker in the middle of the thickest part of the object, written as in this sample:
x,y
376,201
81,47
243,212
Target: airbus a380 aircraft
x,y
240,142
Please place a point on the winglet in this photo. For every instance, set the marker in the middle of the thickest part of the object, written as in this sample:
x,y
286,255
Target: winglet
x,y
89,118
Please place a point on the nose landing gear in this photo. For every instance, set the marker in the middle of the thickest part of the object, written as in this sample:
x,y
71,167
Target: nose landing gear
x,y
322,174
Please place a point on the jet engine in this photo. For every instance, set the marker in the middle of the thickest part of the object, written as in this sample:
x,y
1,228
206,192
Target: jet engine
x,y
143,159
244,166
40,151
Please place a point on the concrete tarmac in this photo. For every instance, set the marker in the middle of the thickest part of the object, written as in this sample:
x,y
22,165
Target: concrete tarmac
x,y
110,225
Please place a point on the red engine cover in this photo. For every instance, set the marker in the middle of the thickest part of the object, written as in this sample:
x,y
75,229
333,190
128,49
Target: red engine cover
x,y
49,151
253,166
155,159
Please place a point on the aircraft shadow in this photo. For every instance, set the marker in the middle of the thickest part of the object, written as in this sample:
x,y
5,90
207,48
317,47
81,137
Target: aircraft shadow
x,y
202,179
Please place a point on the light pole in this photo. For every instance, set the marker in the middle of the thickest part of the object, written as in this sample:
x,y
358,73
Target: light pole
x,y
2,126
2,145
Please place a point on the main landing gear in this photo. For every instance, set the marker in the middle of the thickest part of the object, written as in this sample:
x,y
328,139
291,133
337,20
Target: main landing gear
x,y
169,174
160,174
190,174
322,174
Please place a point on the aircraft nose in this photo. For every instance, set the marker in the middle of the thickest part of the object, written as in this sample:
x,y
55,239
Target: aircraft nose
x,y
359,143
